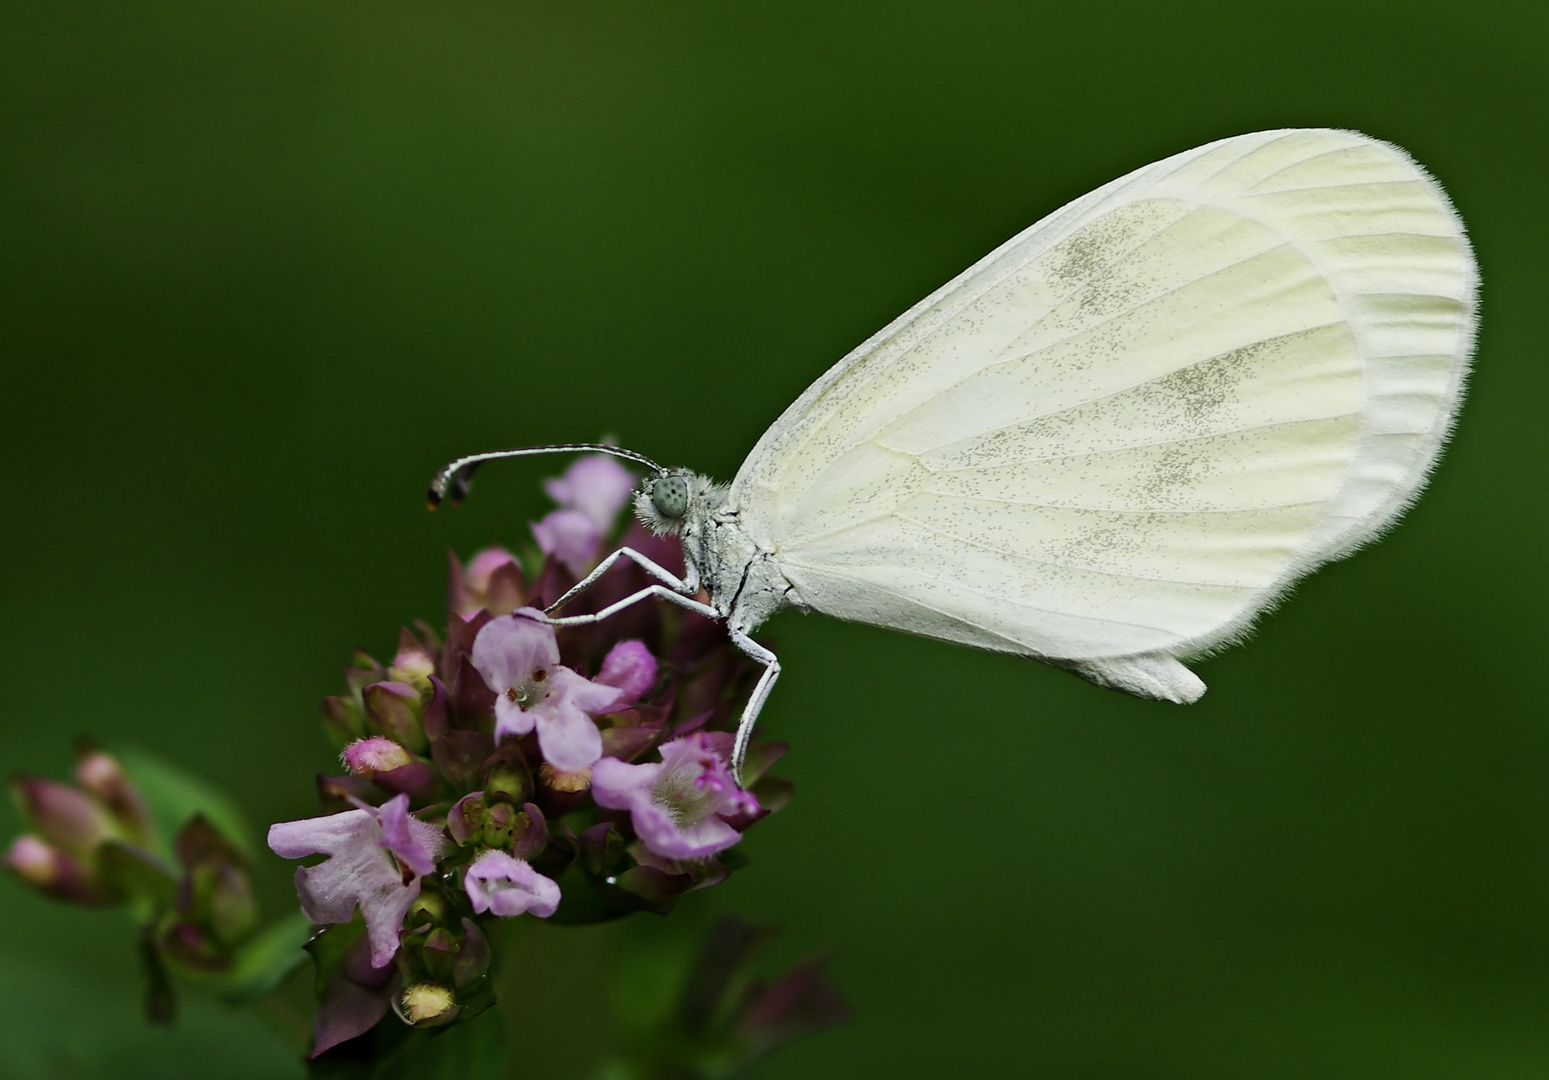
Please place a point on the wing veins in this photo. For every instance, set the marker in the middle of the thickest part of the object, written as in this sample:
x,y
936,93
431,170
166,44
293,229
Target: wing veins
x,y
1062,565
1001,599
1244,157
1088,330
1294,164
1334,187
1107,510
1132,446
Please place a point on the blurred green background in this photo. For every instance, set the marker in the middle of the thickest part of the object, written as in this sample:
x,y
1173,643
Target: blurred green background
x,y
268,265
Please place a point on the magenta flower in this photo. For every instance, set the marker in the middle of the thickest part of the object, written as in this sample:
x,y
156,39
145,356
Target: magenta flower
x,y
519,660
377,856
506,886
629,666
596,485
571,537
677,805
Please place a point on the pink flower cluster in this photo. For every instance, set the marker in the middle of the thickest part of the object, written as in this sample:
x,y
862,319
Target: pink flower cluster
x,y
503,769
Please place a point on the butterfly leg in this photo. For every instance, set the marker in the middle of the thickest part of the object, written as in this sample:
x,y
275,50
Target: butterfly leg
x,y
755,703
660,573
629,601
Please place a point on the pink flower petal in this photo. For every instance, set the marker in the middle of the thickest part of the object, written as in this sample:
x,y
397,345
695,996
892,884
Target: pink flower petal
x,y
416,843
511,719
571,537
665,836
618,786
568,738
508,649
361,870
506,886
582,693
678,807
327,835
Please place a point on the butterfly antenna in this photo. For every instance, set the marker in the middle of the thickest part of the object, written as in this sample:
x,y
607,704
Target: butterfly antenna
x,y
453,481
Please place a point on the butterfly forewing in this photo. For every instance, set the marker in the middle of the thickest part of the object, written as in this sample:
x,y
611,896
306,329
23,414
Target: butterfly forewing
x,y
1125,430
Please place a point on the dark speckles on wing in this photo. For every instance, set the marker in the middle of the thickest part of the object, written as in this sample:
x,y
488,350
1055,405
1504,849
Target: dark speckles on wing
x,y
1091,264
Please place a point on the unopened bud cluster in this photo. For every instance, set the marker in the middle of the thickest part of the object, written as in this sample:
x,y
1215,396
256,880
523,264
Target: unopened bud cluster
x,y
93,843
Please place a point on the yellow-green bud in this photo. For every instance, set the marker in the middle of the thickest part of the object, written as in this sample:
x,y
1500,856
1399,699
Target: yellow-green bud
x,y
426,1004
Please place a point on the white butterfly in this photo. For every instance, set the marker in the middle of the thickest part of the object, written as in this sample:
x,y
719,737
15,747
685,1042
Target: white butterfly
x,y
1115,440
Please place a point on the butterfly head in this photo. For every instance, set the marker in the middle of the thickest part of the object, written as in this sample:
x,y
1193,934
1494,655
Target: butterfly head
x,y
673,499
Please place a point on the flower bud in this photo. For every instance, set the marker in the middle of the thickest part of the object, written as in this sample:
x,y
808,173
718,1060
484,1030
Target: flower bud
x,y
492,580
465,820
561,791
499,824
631,667
52,872
342,720
34,861
426,1004
393,710
564,782
67,818
367,757
428,907
508,783
215,899
473,957
439,953
413,664
101,774
529,832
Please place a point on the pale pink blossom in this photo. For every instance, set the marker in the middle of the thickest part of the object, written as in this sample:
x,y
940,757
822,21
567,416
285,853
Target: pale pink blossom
x,y
677,805
376,857
519,659
507,886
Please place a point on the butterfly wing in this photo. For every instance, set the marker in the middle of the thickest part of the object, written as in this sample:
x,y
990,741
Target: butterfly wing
x,y
1124,432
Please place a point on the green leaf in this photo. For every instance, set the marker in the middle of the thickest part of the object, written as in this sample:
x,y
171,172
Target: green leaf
x,y
328,946
266,959
470,1051
652,965
147,883
77,1018
174,796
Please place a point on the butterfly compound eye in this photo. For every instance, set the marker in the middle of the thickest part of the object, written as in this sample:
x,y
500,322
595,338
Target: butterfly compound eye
x,y
670,497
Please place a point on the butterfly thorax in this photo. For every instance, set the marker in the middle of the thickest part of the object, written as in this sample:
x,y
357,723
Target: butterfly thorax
x,y
743,581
